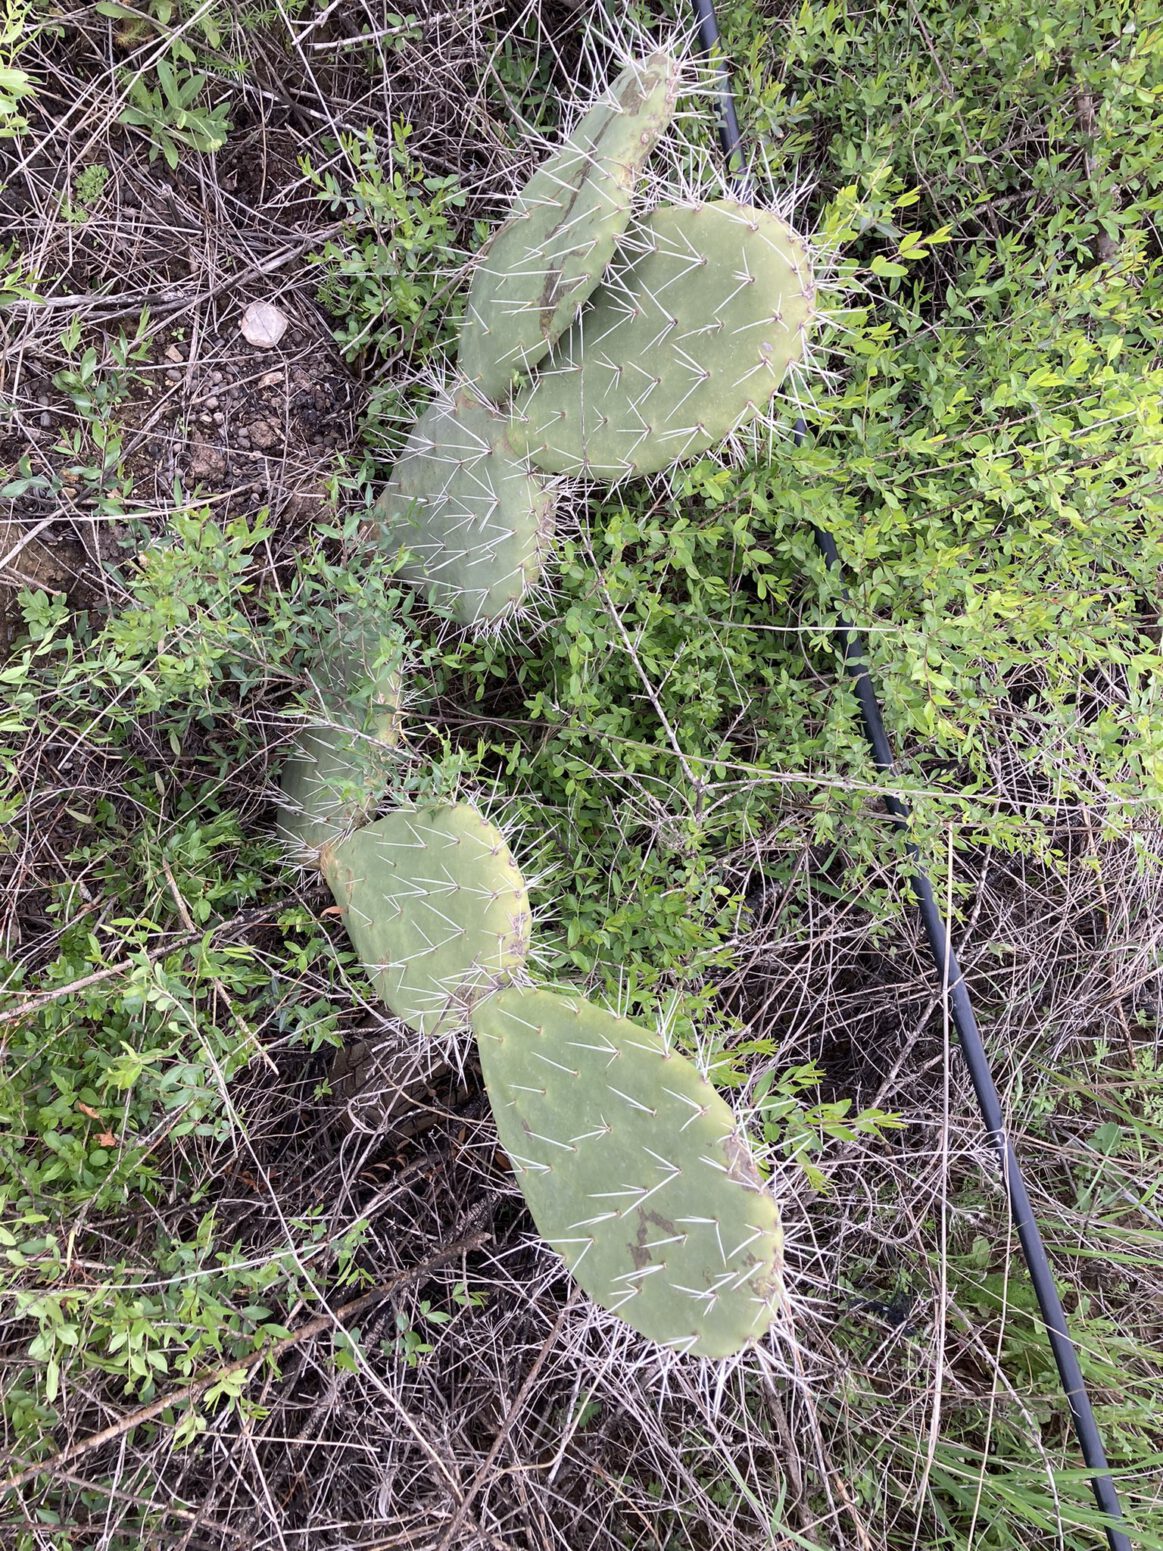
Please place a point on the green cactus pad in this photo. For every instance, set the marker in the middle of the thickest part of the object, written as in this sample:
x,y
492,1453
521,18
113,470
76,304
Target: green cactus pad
x,y
633,1169
436,907
340,767
540,267
476,523
687,342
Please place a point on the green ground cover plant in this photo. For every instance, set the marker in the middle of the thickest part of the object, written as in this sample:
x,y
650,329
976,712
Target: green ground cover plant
x,y
677,745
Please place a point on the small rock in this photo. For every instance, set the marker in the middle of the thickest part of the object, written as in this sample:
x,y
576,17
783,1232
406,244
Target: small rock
x,y
263,434
174,354
271,379
206,465
263,325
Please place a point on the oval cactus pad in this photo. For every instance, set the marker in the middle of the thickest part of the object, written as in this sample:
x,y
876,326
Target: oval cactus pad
x,y
633,1169
339,768
687,341
539,268
475,522
436,907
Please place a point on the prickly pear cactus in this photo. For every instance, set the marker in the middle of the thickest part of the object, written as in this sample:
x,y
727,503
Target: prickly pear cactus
x,y
476,522
633,1169
687,340
540,267
340,766
657,339
437,910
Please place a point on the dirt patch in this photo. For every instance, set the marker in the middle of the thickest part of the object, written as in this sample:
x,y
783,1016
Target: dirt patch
x,y
207,414
224,416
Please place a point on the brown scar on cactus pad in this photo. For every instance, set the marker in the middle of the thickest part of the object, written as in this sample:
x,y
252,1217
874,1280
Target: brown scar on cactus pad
x,y
633,1169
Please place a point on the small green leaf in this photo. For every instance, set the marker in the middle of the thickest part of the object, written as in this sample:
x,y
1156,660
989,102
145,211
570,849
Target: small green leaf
x,y
885,268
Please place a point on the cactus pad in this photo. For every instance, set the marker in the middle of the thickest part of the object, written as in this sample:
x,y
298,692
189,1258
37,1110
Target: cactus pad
x,y
339,767
436,907
476,523
633,1170
540,267
686,342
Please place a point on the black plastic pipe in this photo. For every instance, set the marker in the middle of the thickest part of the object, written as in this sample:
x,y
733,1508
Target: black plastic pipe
x,y
960,1007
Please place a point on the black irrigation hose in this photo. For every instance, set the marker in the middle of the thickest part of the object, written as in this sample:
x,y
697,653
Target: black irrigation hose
x,y
961,1008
